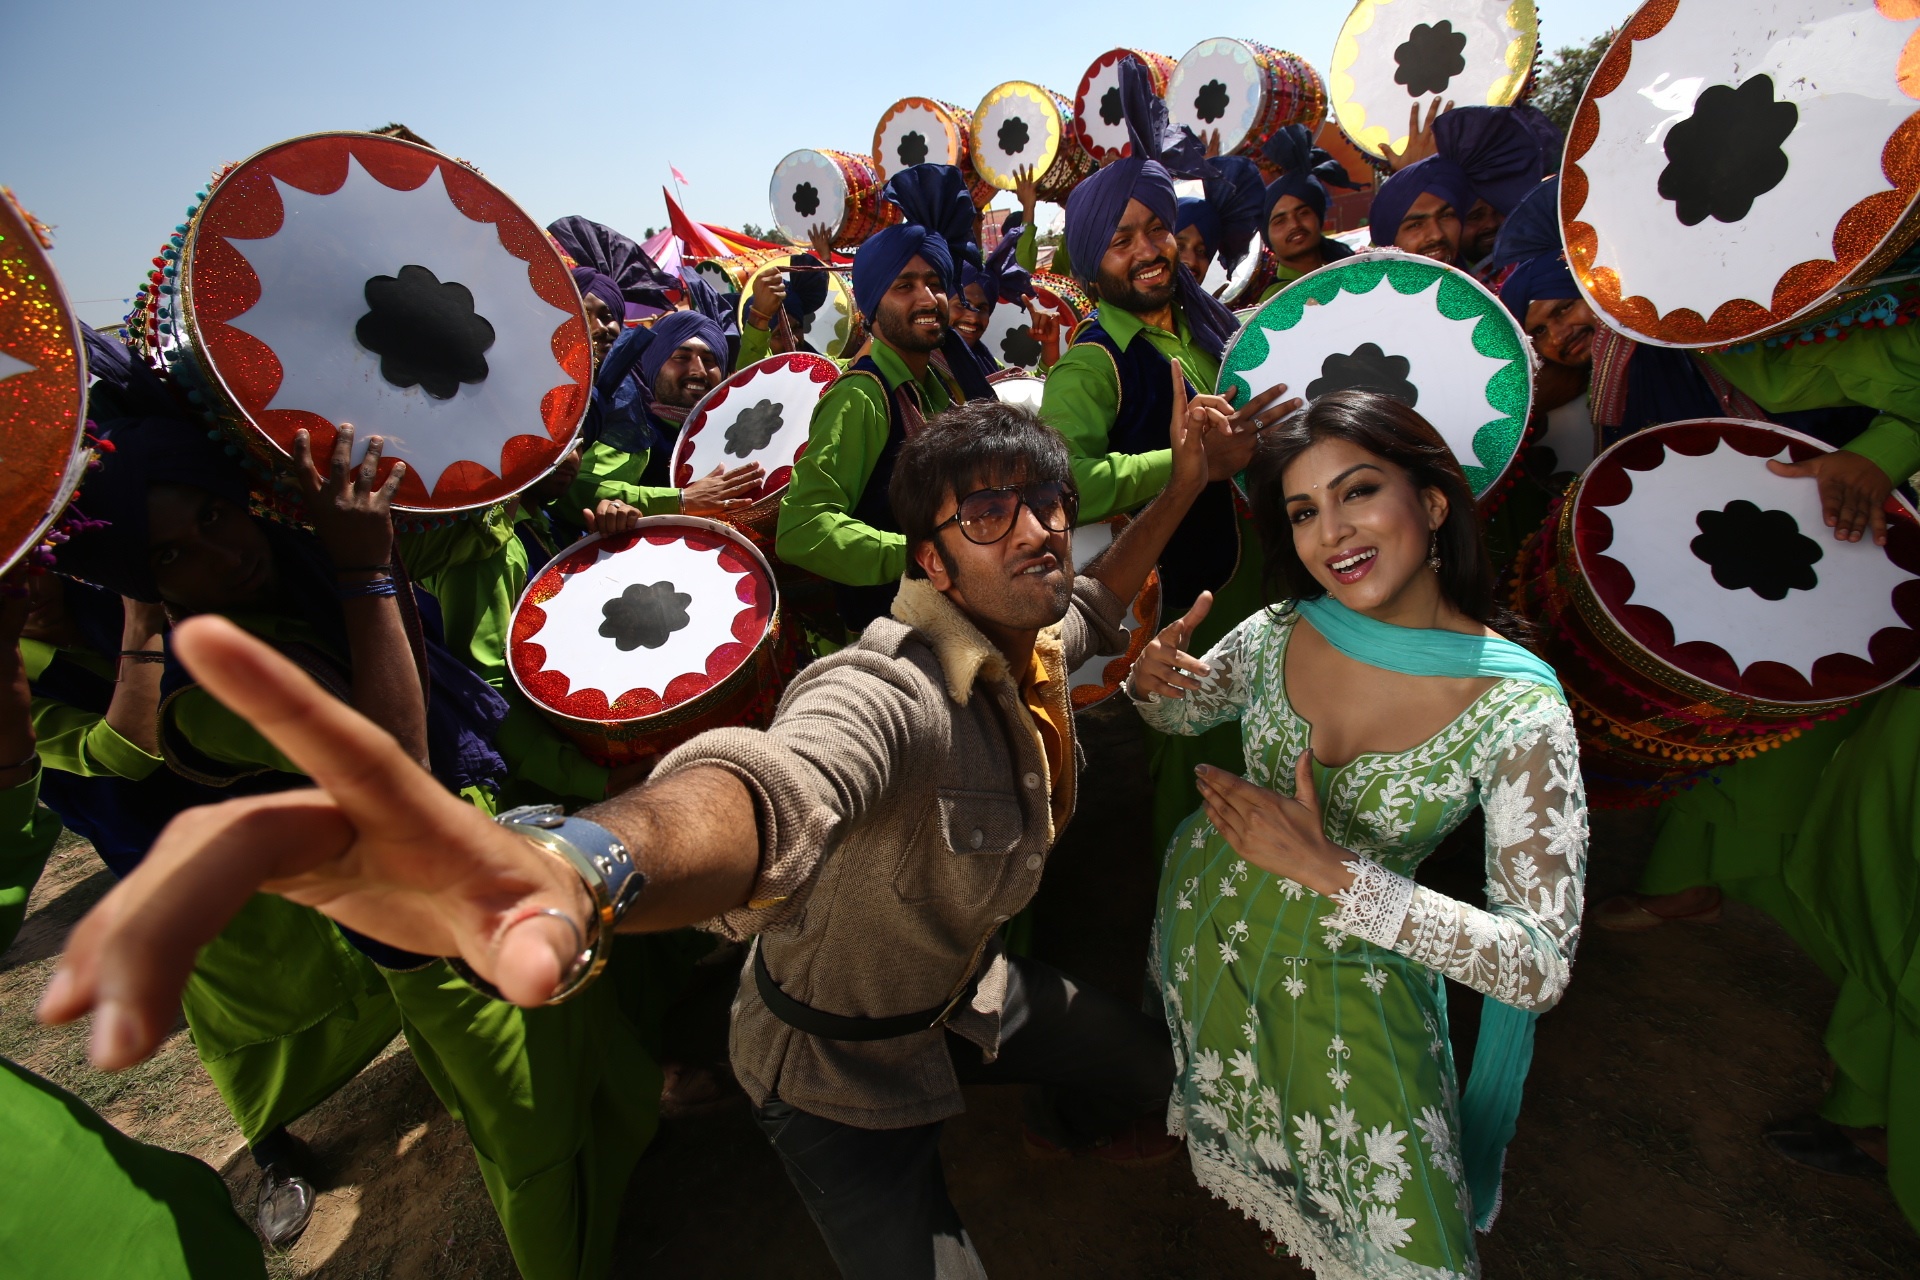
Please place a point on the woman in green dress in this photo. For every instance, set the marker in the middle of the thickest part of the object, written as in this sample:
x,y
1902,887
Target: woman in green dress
x,y
1300,965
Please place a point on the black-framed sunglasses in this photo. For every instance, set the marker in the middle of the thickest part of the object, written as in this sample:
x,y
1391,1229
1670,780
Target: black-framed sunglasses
x,y
986,515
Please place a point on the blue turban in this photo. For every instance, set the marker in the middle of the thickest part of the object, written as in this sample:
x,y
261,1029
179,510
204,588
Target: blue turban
x,y
600,285
1194,212
1537,280
591,244
938,221
999,276
670,333
1531,230
1436,174
1305,171
1096,206
1498,148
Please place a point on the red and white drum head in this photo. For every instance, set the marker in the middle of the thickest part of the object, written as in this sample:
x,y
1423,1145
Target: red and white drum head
x,y
1097,118
43,390
352,278
760,414
1009,332
1727,574
1733,167
644,625
919,131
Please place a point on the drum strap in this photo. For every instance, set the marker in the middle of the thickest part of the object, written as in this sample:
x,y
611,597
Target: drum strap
x,y
836,1026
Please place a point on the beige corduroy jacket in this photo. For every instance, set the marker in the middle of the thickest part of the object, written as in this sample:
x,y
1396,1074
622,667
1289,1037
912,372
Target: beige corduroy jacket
x,y
904,817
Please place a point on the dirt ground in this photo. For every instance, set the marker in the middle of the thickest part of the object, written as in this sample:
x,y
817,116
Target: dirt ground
x,y
1637,1154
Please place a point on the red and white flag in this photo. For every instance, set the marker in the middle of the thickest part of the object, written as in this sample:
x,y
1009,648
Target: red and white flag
x,y
679,177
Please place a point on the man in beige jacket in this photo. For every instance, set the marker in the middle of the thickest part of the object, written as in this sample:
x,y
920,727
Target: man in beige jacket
x,y
873,841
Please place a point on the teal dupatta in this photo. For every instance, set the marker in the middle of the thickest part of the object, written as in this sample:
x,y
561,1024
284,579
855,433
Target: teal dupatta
x,y
1490,1104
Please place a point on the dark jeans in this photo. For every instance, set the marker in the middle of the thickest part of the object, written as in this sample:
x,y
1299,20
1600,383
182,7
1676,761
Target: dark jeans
x,y
879,1196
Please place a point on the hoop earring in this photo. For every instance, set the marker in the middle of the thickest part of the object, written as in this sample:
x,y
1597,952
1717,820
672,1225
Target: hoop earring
x,y
1433,551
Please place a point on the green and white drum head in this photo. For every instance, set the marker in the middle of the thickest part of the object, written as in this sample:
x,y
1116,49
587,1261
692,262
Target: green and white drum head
x,y
1429,335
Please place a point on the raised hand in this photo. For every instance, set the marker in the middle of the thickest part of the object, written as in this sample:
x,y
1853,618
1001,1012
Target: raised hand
x,y
769,294
1853,492
720,491
379,846
1198,424
1045,328
1420,139
1026,190
353,518
1165,667
820,240
1276,833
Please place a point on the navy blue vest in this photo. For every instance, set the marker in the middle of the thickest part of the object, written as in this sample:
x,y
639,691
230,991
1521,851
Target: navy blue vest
x,y
1204,551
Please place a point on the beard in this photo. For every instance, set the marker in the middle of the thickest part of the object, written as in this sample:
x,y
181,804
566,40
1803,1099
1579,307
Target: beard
x,y
1122,292
681,392
900,332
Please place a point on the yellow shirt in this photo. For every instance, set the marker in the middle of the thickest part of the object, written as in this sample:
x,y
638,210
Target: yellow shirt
x,y
1052,718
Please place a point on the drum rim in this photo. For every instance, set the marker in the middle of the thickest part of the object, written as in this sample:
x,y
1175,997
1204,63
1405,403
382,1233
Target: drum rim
x,y
696,416
1115,671
1346,49
1258,48
962,136
187,324
1494,307
666,716
1608,625
1059,135
781,261
1581,241
78,454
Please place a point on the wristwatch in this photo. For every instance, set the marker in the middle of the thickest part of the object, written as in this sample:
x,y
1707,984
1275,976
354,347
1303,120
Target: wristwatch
x,y
604,864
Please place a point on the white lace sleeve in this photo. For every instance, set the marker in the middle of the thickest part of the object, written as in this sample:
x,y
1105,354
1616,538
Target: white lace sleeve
x,y
1221,697
1519,950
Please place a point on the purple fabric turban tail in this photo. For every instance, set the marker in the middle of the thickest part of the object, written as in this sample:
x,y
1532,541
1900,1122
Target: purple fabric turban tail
x,y
1228,214
591,244
1531,238
999,276
1436,174
1504,151
938,215
1097,204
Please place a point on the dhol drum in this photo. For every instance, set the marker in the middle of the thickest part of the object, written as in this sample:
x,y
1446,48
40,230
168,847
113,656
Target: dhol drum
x,y
1426,334
1392,54
928,131
356,278
759,414
1019,124
1097,118
833,330
835,189
1246,91
635,643
1734,169
43,388
1698,609
1009,332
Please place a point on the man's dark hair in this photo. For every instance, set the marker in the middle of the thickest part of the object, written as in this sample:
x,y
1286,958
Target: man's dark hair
x,y
981,444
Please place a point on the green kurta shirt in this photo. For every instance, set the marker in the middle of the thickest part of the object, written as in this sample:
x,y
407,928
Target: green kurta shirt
x,y
818,531
76,741
1879,368
607,472
1082,400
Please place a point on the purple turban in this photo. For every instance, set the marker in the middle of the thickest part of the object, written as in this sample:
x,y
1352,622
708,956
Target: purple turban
x,y
938,227
1305,171
673,331
591,244
1436,174
1531,238
1537,280
1197,213
600,285
999,276
1096,206
1499,149
1229,212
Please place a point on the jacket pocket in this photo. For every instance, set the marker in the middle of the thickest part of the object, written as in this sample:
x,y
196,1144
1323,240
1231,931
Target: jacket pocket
x,y
960,853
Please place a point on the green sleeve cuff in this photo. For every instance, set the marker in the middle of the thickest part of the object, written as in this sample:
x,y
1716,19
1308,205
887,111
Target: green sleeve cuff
x,y
115,755
1892,444
755,346
657,502
1027,252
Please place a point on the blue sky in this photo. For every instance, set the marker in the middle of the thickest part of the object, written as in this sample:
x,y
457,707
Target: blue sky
x,y
121,110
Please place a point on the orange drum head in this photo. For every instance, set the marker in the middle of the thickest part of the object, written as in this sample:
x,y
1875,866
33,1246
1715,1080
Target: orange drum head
x,y
351,278
1732,168
43,389
635,627
760,414
919,131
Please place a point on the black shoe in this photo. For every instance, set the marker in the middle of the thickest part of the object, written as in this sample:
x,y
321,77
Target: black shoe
x,y
284,1206
1821,1144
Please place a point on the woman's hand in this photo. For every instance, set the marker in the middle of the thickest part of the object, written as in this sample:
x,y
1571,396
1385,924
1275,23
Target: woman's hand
x,y
1853,492
353,518
1276,833
611,517
1164,666
720,491
379,846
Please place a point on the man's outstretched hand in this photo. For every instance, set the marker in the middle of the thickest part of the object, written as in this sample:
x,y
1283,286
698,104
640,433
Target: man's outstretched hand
x,y
378,845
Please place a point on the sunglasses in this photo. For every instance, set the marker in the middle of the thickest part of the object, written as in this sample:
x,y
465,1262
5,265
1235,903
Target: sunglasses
x,y
986,515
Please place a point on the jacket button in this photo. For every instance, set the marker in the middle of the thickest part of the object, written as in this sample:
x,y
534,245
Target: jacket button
x,y
1033,862
978,838
1032,780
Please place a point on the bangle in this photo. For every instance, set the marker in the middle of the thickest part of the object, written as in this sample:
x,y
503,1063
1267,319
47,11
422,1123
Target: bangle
x,y
33,758
381,586
363,568
145,655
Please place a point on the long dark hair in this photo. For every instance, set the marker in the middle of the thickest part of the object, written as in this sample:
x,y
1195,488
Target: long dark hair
x,y
1390,430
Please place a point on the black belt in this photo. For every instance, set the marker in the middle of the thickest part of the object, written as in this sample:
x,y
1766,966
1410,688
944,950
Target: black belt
x,y
835,1026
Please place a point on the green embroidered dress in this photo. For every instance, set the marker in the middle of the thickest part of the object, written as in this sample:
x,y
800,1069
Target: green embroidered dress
x,y
1316,1088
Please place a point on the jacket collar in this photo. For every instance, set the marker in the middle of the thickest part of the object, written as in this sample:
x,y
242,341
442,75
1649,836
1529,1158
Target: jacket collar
x,y
965,655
